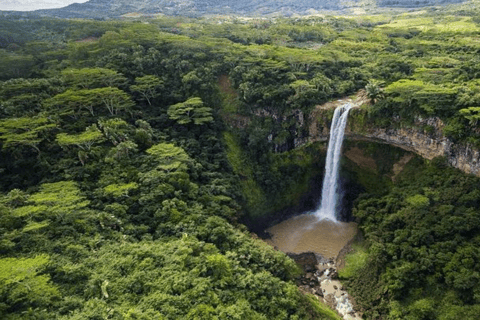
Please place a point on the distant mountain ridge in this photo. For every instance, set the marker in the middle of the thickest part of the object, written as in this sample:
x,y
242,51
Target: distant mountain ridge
x,y
196,8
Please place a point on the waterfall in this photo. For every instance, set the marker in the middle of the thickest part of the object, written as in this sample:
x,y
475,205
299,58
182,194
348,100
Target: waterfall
x,y
330,181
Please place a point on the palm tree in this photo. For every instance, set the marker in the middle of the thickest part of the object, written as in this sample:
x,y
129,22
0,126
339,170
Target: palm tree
x,y
374,90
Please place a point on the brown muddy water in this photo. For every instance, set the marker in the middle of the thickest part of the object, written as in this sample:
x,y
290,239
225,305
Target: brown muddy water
x,y
305,233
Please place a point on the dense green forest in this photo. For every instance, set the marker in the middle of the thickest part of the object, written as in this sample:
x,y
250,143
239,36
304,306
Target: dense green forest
x,y
133,153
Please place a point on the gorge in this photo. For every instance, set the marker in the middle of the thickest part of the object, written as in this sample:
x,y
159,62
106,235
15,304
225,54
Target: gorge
x,y
304,234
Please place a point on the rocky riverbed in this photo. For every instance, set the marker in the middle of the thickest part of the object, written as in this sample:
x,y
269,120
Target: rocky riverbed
x,y
320,278
317,246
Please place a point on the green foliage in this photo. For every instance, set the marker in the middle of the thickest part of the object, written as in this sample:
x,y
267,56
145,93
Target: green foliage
x,y
418,201
24,131
148,87
323,311
84,140
354,262
89,78
254,196
471,114
189,111
23,288
169,157
373,90
422,237
49,202
72,101
118,190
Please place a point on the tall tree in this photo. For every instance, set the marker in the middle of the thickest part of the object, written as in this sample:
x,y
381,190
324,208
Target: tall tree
x,y
189,111
89,78
148,87
24,131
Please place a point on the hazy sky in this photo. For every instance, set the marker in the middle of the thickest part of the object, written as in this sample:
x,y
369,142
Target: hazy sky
x,y
28,5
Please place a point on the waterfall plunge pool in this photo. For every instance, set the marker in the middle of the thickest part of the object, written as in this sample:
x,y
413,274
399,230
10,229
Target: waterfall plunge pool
x,y
304,233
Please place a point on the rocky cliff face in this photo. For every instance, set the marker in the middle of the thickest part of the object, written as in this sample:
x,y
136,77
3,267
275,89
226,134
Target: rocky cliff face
x,y
425,138
463,157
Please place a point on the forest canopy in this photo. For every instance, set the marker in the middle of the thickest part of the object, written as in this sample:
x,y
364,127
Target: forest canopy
x,y
132,152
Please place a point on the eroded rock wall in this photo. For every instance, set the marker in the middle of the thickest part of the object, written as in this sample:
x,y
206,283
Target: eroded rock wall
x,y
425,138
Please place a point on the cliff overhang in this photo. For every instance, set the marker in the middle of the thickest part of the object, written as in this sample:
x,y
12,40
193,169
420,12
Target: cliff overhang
x,y
424,137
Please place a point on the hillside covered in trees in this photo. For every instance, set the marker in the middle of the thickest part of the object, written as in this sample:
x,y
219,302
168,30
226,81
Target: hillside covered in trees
x,y
136,155
107,9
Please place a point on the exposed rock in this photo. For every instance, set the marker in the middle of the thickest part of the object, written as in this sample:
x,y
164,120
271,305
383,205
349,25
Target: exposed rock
x,y
357,155
334,274
424,138
319,292
330,300
398,167
307,260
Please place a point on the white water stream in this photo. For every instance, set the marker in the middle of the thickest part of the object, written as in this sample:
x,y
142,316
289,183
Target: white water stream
x,y
327,210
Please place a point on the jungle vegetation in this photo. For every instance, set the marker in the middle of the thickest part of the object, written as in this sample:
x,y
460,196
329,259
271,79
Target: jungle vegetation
x,y
132,152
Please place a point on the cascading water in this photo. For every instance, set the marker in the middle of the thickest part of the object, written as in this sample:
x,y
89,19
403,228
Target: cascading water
x,y
330,181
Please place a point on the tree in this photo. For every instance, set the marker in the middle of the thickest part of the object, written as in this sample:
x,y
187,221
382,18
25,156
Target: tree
x,y
84,140
436,99
21,97
15,65
55,202
472,114
189,111
119,190
148,87
89,78
21,286
323,85
374,90
143,133
122,150
24,131
71,101
169,157
116,130
114,99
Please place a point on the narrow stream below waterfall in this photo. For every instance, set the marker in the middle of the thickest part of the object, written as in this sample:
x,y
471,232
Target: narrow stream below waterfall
x,y
305,233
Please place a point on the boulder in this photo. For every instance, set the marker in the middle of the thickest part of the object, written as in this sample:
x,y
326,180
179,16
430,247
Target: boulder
x,y
307,260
